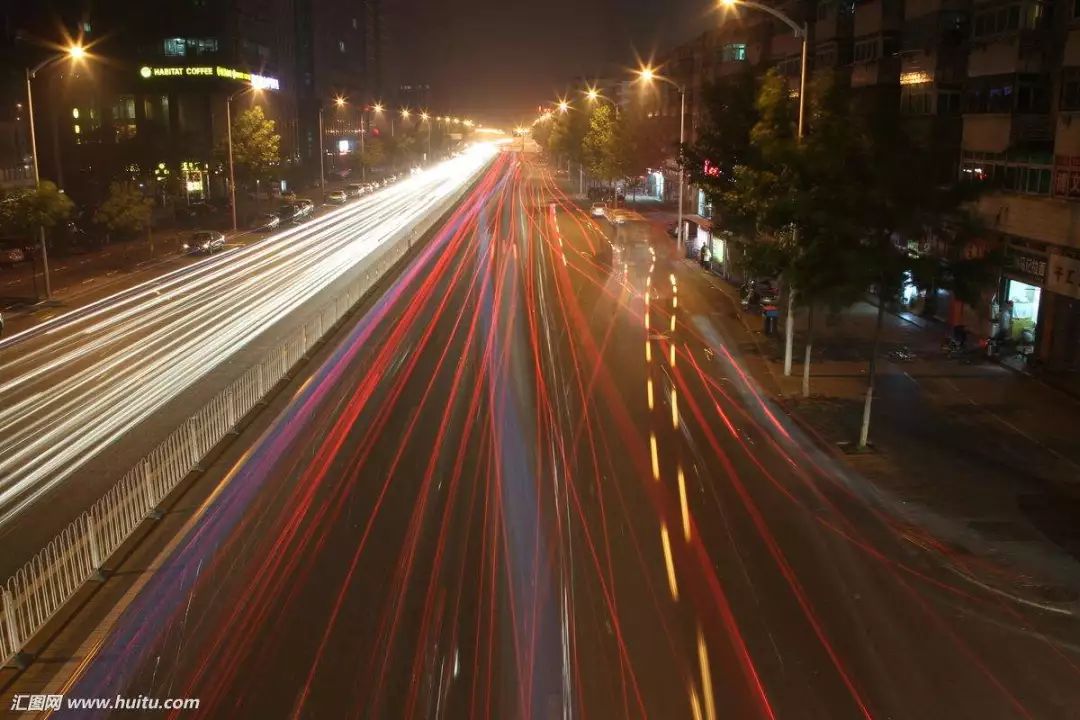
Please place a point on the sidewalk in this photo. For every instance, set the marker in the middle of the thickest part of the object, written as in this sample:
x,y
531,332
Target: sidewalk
x,y
983,450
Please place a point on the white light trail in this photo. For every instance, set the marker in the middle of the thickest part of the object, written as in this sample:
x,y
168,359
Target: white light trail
x,y
95,373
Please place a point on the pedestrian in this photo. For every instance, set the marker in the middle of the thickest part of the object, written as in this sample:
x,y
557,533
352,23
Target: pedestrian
x,y
1005,321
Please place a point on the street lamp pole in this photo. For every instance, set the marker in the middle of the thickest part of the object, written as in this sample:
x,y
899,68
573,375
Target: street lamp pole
x,y
363,131
75,52
322,157
800,31
648,74
37,177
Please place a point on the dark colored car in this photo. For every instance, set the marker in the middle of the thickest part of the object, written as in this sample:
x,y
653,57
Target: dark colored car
x,y
204,242
13,252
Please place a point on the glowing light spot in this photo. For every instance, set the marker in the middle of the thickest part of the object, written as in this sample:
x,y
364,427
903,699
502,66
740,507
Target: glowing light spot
x,y
672,354
672,323
706,678
648,388
674,409
672,583
646,319
655,456
671,277
648,352
684,506
647,295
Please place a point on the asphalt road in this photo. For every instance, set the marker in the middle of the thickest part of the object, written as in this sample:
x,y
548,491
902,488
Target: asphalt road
x,y
535,480
85,395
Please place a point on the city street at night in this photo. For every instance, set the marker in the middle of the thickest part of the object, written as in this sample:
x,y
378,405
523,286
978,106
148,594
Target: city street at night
x,y
533,480
572,360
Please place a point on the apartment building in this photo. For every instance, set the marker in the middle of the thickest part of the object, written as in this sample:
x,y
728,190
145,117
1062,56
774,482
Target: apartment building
x,y
993,89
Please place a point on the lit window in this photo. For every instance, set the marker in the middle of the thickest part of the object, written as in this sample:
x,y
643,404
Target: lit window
x,y
341,45
734,52
354,24
174,47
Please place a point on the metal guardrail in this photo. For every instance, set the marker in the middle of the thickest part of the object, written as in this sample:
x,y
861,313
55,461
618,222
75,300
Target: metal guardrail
x,y
43,585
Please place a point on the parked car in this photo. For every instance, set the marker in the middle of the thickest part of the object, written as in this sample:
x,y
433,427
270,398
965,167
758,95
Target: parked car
x,y
355,190
204,241
597,209
307,207
12,252
288,212
267,222
337,197
288,195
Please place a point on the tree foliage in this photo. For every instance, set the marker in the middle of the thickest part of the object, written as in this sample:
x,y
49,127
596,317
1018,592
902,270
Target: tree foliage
x,y
256,145
374,153
604,147
125,211
25,211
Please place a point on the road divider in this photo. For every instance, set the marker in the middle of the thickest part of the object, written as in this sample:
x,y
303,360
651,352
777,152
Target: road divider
x,y
38,590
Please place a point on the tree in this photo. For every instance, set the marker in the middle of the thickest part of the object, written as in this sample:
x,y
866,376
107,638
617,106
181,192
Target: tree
x,y
541,132
604,147
568,134
24,212
374,153
125,211
256,145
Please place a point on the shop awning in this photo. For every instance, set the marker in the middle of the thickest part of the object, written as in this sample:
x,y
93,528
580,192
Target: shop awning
x,y
699,221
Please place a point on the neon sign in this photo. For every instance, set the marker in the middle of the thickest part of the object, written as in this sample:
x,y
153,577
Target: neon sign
x,y
711,170
262,82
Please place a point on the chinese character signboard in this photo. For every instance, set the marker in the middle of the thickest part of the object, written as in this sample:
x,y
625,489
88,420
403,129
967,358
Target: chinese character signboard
x,y
1027,266
1067,176
1063,276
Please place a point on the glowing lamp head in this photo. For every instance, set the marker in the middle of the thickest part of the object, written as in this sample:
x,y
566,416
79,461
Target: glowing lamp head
x,y
377,107
729,3
592,94
76,52
404,112
424,116
339,101
647,74
563,106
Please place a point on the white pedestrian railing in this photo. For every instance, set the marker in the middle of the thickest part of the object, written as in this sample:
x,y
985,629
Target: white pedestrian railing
x,y
41,587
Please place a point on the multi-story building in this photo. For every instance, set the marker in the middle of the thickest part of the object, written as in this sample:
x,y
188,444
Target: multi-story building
x,y
150,101
992,87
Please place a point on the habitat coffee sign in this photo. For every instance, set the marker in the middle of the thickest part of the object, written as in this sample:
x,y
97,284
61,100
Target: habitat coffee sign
x,y
261,82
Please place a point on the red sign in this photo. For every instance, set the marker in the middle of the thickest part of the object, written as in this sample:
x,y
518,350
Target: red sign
x,y
711,170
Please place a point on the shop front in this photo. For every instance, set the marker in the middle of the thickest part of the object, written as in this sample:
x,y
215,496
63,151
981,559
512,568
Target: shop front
x,y
1018,311
706,244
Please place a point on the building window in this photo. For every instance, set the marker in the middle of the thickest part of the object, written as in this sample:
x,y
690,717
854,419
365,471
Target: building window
x,y
341,45
174,47
734,52
202,46
86,27
994,96
825,57
917,99
825,8
866,50
355,24
123,113
1027,173
996,21
1070,88
948,102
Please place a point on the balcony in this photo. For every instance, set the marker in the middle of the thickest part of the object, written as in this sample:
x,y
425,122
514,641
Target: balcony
x,y
998,132
1024,51
939,66
834,21
883,71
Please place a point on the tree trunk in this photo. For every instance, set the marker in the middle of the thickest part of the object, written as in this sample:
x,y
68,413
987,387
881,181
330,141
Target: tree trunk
x,y
809,346
864,430
789,329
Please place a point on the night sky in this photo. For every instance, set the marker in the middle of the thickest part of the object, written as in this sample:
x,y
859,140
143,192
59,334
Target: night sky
x,y
497,59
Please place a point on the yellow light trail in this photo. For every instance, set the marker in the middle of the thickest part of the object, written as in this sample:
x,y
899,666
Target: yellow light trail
x,y
706,678
673,585
648,387
684,506
655,456
674,409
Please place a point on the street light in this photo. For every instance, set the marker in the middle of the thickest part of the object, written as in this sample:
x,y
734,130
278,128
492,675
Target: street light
x,y
424,117
74,53
800,31
648,75
564,106
228,135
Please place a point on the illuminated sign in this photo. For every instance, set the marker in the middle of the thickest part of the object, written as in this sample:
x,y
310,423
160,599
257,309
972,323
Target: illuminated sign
x,y
261,82
915,77
711,170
